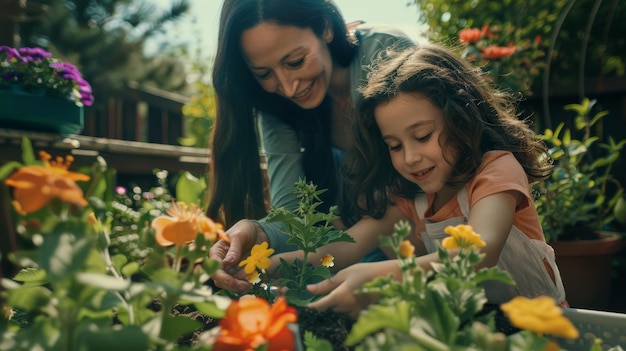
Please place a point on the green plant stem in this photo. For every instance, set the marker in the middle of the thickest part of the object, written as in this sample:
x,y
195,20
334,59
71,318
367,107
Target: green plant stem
x,y
430,343
67,322
177,259
305,258
123,298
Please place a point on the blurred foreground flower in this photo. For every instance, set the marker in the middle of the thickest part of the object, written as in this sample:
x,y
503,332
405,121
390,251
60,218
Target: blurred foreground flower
x,y
251,323
35,186
540,315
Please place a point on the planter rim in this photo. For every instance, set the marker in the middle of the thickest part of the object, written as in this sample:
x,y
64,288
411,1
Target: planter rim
x,y
609,243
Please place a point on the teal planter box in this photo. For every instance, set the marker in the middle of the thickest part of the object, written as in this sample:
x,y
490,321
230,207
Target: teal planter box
x,y
21,110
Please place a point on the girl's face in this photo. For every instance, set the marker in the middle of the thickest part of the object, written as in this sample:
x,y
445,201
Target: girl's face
x,y
412,126
289,61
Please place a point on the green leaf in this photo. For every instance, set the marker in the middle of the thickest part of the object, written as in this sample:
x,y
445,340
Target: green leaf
x,y
32,275
118,261
377,317
28,155
213,309
176,326
8,168
118,338
29,298
130,269
62,254
103,281
492,274
43,334
312,343
190,189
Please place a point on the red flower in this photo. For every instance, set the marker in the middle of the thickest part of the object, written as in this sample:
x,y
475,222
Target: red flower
x,y
485,32
470,35
251,322
497,52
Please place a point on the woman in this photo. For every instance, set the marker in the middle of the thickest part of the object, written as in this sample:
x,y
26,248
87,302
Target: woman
x,y
294,68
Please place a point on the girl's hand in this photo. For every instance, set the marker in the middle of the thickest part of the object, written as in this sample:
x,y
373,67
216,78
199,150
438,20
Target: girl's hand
x,y
341,287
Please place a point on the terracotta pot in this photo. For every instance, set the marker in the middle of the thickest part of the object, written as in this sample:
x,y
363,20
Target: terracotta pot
x,y
585,267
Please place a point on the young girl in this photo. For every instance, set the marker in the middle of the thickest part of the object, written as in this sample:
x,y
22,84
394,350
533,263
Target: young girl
x,y
436,144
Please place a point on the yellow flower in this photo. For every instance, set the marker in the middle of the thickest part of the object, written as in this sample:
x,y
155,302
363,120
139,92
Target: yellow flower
x,y
327,261
35,186
406,249
540,315
183,224
461,236
259,258
254,277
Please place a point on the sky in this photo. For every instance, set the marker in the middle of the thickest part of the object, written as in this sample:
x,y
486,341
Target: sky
x,y
204,17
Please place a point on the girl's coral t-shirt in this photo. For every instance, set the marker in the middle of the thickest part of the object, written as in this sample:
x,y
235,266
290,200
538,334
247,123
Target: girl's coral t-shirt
x,y
500,171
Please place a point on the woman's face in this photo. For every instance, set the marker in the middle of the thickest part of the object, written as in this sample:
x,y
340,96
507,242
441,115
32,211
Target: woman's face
x,y
289,61
412,127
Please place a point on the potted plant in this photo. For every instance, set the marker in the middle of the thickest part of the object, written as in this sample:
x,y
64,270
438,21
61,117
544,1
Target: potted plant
x,y
39,92
578,205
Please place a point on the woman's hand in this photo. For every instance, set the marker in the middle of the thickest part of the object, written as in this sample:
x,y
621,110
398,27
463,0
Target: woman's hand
x,y
341,287
243,236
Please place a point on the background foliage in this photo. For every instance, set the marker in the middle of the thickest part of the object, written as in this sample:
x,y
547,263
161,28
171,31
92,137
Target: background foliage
x,y
106,40
588,37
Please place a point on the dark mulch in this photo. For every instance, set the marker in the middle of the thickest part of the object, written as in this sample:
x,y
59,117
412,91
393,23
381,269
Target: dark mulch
x,y
328,325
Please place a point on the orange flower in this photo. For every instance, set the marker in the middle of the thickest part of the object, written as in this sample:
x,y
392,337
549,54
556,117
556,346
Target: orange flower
x,y
470,35
250,323
496,52
183,224
35,186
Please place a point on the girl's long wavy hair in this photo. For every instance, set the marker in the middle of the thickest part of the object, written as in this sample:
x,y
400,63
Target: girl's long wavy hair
x,y
477,118
237,186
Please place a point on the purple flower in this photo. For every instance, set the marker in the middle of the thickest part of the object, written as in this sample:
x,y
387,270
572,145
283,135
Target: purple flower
x,y
83,86
34,69
34,54
9,51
